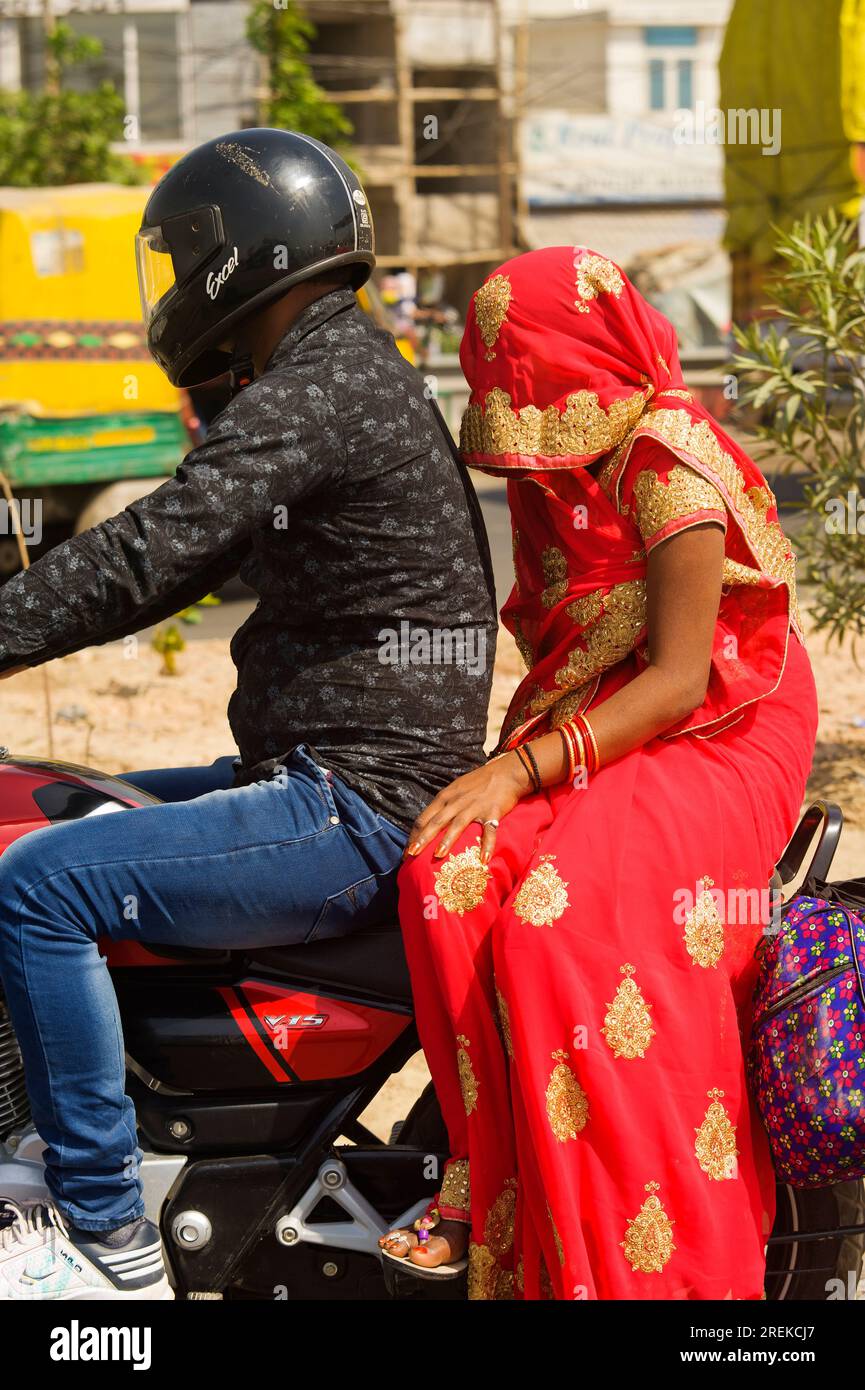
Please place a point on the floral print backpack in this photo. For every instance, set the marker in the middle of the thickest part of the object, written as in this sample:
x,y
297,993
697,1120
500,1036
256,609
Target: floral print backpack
x,y
807,1056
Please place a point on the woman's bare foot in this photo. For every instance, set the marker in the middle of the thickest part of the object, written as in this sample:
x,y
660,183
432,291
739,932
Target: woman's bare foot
x,y
399,1243
446,1246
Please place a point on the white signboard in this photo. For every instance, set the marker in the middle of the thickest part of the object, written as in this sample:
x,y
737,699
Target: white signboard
x,y
570,159
33,9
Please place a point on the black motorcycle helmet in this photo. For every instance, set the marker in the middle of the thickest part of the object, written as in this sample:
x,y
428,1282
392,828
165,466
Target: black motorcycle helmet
x,y
233,225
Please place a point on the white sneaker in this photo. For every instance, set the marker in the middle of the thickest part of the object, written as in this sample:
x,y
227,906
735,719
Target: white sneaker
x,y
40,1260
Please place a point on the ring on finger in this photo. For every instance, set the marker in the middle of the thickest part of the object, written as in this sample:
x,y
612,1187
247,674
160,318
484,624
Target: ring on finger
x,y
492,822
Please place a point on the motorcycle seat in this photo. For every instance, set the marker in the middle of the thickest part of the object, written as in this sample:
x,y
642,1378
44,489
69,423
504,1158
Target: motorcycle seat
x,y
370,962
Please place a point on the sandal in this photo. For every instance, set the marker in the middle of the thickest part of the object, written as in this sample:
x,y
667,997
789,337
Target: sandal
x,y
423,1226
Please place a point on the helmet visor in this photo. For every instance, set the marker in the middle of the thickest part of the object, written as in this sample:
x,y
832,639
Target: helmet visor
x,y
156,276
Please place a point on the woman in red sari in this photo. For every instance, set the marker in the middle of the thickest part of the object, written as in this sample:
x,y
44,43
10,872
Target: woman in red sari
x,y
580,914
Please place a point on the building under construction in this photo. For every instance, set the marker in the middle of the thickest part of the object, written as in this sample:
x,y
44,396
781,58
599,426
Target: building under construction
x,y
423,85
420,80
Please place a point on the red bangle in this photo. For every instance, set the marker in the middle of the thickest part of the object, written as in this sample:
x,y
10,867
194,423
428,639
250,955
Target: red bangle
x,y
590,734
576,750
570,753
578,743
590,743
583,753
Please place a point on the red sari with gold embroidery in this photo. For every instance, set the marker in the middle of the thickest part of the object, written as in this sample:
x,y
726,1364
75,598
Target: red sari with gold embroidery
x,y
583,1000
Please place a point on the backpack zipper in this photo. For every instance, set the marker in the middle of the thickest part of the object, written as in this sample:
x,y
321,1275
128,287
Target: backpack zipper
x,y
809,987
818,981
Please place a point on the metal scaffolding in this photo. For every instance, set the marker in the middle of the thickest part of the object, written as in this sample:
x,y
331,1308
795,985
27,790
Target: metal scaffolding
x,y
424,84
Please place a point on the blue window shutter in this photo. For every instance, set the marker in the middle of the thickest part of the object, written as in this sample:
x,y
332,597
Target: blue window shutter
x,y
656,85
671,35
686,82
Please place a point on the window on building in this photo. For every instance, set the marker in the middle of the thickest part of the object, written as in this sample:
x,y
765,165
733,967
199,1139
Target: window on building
x,y
656,85
139,57
686,82
670,71
671,35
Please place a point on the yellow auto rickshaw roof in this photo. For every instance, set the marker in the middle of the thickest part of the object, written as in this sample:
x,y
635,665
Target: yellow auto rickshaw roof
x,y
87,198
71,336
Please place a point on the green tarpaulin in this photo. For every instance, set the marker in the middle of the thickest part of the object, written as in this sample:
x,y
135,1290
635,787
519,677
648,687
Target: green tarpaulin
x,y
784,60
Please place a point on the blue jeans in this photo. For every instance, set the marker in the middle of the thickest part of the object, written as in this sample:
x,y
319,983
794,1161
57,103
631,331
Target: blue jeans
x,y
275,863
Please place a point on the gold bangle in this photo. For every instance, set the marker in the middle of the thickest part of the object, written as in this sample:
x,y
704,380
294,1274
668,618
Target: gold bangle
x,y
579,745
590,733
570,752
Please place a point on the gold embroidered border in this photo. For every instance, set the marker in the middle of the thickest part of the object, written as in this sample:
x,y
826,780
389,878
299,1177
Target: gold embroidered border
x,y
524,646
596,275
487,1280
483,1273
468,1080
583,428
504,1021
586,610
610,638
568,705
656,504
499,1223
555,569
491,306
736,573
456,1188
557,1240
765,539
607,640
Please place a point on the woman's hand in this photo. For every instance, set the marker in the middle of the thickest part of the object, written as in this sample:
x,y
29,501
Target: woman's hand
x,y
485,795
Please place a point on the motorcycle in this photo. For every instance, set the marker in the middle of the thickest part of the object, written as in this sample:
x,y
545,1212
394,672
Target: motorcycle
x,y
249,1071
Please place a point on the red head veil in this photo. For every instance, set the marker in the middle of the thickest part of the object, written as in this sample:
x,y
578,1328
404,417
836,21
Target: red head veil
x,y
567,363
562,355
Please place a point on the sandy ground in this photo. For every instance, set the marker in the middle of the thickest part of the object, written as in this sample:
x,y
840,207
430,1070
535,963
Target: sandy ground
x,y
112,709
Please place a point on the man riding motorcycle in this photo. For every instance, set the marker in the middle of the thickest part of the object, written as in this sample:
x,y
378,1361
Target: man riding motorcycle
x,y
328,484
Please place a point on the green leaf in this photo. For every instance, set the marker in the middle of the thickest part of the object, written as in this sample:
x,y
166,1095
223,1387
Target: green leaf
x,y
802,375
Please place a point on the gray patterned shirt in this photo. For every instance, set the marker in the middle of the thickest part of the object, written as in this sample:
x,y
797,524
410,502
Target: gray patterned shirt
x,y
328,485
